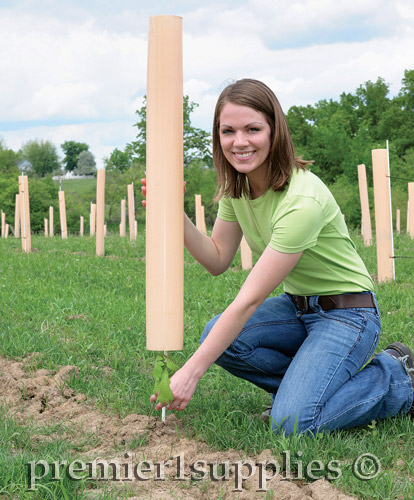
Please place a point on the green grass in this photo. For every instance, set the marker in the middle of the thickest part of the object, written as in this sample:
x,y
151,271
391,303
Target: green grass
x,y
79,186
74,308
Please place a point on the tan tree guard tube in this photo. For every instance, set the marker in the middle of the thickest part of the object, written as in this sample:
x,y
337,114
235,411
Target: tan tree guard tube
x,y
93,219
246,255
203,220
25,214
6,231
3,224
46,227
17,217
100,212
122,226
398,221
51,222
408,216
62,213
383,218
82,226
165,186
131,212
363,194
198,212
411,209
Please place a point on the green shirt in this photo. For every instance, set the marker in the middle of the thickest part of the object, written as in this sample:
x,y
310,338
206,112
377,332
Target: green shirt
x,y
304,217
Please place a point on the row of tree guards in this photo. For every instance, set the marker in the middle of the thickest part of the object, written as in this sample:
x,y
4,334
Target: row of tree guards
x,y
97,226
383,213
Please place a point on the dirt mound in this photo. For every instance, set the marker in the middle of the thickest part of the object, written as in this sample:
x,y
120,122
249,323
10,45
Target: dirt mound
x,y
158,460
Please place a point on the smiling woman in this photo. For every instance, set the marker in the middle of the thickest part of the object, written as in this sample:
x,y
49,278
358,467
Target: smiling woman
x,y
245,139
305,347
249,118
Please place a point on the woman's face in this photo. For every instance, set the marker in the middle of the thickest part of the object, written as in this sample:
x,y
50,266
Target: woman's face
x,y
245,138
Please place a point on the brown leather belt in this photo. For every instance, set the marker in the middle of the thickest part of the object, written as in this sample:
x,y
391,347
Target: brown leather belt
x,y
328,302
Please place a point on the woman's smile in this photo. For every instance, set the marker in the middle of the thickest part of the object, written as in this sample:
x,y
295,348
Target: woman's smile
x,y
245,140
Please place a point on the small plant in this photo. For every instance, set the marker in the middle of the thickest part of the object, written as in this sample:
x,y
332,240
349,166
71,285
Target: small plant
x,y
164,368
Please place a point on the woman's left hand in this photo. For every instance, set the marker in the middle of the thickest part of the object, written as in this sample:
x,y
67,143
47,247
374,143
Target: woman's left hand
x,y
182,384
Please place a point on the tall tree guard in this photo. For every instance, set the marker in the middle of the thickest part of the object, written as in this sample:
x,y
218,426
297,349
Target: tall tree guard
x,y
62,213
51,222
410,210
383,217
165,186
131,212
363,194
100,213
92,219
122,225
17,217
3,223
25,214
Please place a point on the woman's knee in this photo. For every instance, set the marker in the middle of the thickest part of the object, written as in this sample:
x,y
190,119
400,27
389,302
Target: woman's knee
x,y
292,420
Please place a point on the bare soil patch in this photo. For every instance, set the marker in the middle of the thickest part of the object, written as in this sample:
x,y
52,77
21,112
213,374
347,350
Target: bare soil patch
x,y
138,442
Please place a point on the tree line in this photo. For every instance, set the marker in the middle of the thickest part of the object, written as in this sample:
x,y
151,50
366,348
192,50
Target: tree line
x,y
336,134
39,158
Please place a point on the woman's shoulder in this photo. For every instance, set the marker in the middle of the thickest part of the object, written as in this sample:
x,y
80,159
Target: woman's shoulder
x,y
306,183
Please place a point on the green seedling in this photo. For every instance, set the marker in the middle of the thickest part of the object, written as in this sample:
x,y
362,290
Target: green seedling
x,y
164,368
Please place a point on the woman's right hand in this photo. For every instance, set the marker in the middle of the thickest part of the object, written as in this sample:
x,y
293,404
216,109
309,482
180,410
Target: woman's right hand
x,y
144,191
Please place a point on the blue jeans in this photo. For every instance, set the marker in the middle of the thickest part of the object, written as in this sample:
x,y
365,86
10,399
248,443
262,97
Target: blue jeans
x,y
311,364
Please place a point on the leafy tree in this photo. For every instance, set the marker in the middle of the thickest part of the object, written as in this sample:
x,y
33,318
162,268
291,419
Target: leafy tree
x,y
373,103
8,159
9,187
72,149
119,160
43,194
338,135
116,190
200,180
42,156
197,142
301,120
397,122
86,163
346,194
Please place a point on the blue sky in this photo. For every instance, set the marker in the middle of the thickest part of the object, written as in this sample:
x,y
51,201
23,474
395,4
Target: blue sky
x,y
76,70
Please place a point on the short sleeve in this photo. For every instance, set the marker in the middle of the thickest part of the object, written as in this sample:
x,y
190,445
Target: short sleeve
x,y
226,210
297,225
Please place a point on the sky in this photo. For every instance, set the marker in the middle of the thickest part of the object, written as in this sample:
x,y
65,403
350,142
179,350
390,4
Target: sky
x,y
76,69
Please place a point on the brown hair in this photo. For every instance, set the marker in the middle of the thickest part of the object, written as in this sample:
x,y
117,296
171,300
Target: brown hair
x,y
282,156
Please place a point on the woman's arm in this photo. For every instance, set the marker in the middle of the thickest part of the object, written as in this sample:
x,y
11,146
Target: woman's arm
x,y
269,271
216,252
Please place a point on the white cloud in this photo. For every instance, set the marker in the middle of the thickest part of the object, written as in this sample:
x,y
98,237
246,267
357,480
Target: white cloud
x,y
77,71
67,71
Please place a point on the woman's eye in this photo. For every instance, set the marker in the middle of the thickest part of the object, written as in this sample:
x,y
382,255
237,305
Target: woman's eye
x,y
226,131
253,129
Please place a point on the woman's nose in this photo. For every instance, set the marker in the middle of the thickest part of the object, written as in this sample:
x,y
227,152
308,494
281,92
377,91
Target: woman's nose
x,y
240,139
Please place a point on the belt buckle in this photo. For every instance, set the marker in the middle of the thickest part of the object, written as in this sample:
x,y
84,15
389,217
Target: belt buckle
x,y
306,308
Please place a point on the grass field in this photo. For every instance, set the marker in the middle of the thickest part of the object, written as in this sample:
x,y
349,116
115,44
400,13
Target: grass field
x,y
73,308
80,186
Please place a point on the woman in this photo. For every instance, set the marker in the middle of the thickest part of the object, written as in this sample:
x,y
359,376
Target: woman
x,y
305,347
